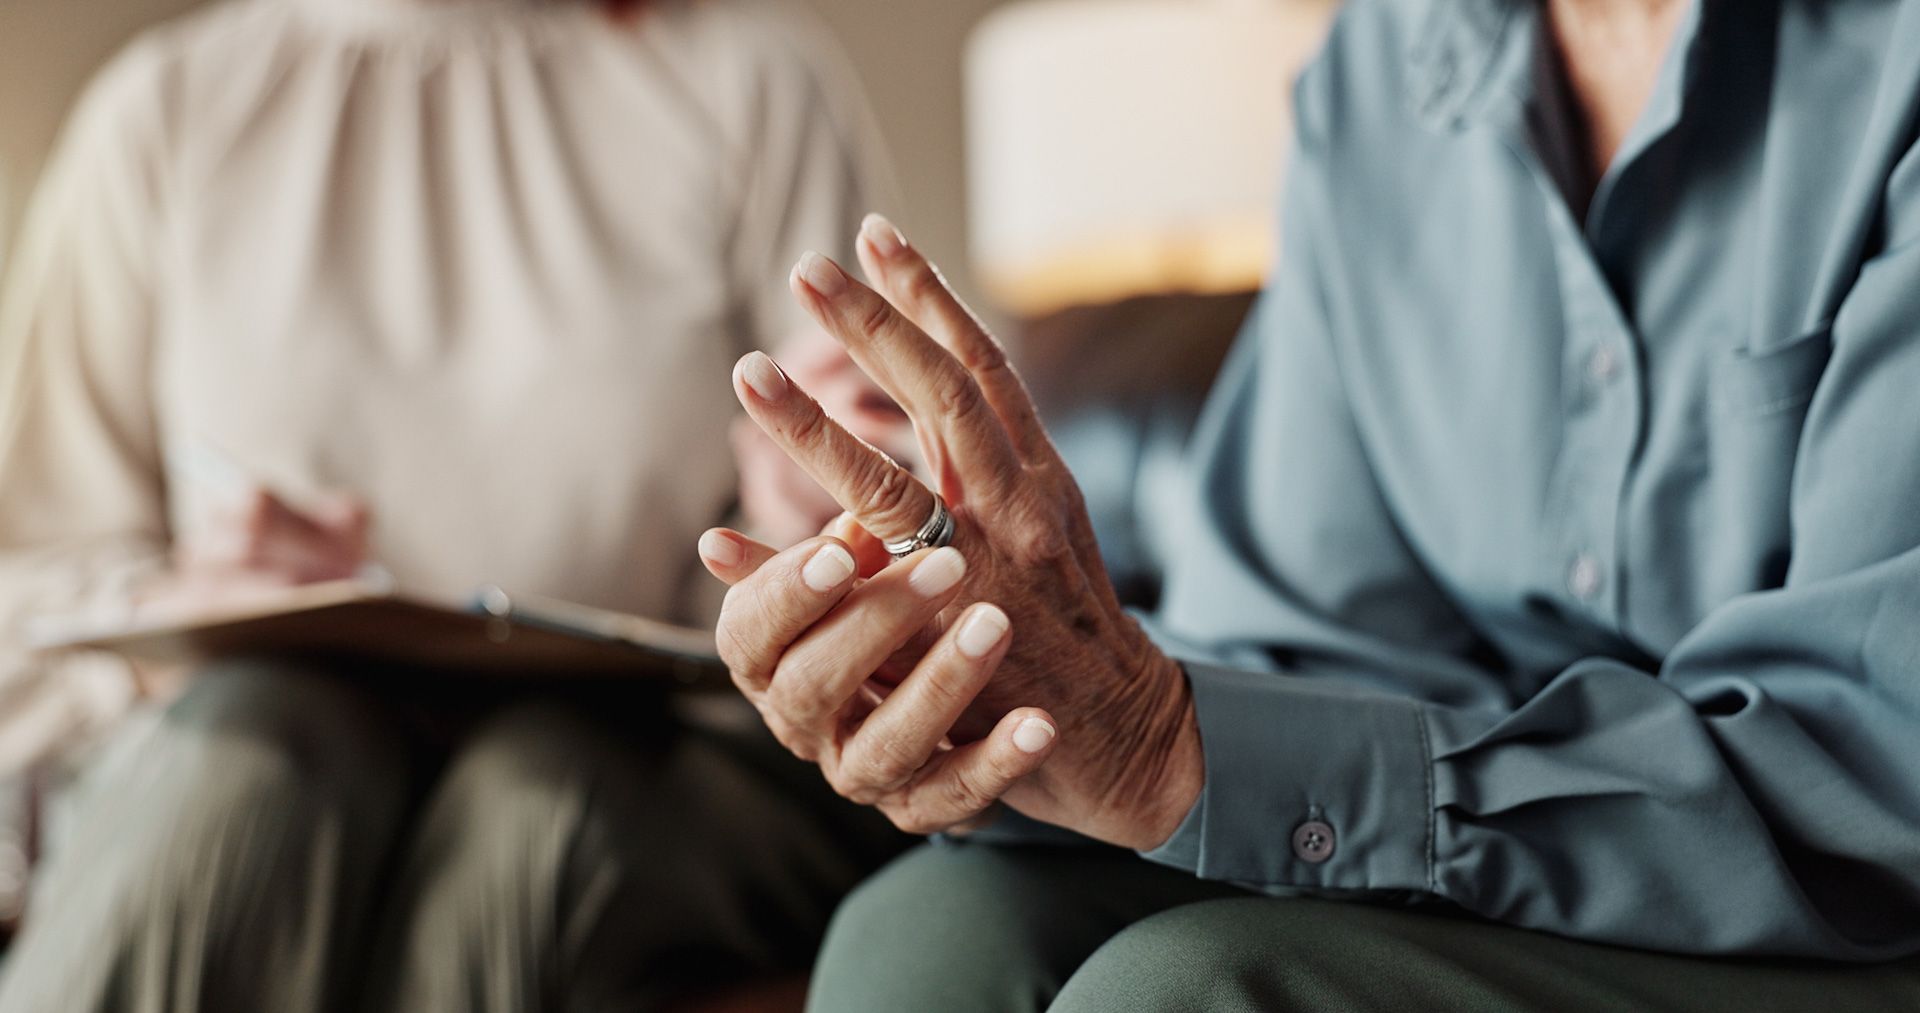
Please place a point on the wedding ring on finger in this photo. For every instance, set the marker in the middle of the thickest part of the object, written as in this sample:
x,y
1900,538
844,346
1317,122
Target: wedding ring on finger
x,y
936,532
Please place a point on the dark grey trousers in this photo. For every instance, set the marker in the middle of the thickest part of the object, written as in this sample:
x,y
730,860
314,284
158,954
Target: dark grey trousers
x,y
289,841
964,927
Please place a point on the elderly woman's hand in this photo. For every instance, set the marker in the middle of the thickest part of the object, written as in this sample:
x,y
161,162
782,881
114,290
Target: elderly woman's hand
x,y
994,644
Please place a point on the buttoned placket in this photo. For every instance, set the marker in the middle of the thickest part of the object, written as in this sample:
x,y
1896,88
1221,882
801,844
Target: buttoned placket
x,y
1601,425
1602,383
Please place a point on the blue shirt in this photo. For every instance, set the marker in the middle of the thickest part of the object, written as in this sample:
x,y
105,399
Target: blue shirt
x,y
1563,563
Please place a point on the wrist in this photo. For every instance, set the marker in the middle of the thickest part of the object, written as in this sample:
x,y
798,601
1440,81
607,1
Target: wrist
x,y
1178,764
1146,768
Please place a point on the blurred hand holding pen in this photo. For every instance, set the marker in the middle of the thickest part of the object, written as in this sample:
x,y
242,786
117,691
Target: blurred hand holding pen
x,y
240,538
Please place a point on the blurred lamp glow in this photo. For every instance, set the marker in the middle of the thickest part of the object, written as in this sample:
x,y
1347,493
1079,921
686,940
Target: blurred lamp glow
x,y
1129,147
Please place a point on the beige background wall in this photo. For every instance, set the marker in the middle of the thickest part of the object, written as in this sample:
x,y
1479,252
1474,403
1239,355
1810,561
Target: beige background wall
x,y
906,51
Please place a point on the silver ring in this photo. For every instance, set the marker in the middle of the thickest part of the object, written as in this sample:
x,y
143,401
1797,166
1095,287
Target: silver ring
x,y
935,533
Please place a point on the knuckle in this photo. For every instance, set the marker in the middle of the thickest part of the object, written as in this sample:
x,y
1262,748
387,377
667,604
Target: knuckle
x,y
887,492
786,694
883,763
874,316
1042,545
964,794
808,427
1005,768
946,687
850,787
958,396
924,284
985,357
796,692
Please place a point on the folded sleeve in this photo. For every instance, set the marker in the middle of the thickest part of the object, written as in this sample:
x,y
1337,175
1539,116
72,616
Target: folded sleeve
x,y
1755,792
81,510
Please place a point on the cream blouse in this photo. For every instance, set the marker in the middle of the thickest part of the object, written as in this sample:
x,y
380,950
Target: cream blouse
x,y
486,264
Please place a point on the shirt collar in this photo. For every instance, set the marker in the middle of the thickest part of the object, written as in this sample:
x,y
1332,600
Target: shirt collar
x,y
1473,58
1452,57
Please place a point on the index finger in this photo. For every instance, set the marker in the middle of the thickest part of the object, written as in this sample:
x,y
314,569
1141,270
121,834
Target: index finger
x,y
868,484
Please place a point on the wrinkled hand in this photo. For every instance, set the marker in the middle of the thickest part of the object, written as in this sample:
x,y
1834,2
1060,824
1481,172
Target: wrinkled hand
x,y
253,544
781,503
1011,643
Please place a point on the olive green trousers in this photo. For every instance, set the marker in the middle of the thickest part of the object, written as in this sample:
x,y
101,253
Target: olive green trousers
x,y
960,927
288,839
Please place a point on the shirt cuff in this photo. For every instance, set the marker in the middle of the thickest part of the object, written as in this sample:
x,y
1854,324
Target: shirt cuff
x,y
1307,786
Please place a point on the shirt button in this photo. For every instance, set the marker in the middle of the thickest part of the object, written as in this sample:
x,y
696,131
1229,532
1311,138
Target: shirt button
x,y
1313,841
1603,364
1584,576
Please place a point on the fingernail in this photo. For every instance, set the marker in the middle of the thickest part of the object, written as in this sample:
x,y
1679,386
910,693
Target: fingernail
x,y
721,550
828,568
938,572
1032,735
763,376
886,240
821,276
981,631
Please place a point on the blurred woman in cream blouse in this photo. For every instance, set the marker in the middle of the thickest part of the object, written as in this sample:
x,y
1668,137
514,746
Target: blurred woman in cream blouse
x,y
455,286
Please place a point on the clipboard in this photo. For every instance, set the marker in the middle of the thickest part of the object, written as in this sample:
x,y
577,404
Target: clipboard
x,y
497,635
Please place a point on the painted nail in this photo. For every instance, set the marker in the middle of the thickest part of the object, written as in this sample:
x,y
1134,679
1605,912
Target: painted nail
x,y
981,631
885,239
938,572
821,275
723,551
763,376
1032,735
828,569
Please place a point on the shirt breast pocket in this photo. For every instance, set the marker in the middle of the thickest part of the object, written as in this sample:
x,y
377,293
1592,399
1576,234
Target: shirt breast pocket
x,y
1759,410
1778,381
